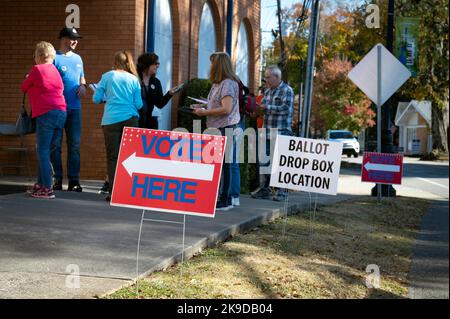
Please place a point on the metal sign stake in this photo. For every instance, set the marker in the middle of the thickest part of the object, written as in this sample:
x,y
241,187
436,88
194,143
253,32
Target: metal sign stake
x,y
137,253
379,111
139,242
286,207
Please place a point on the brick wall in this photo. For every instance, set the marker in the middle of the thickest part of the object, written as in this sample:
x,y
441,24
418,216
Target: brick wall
x,y
106,26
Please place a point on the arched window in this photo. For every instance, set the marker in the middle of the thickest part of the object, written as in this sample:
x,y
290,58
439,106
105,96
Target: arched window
x,y
242,55
206,41
163,48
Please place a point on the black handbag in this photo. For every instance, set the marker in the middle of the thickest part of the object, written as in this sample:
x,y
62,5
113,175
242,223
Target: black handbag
x,y
25,123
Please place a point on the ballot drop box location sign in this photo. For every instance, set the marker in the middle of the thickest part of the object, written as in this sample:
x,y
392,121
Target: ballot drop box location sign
x,y
168,171
308,165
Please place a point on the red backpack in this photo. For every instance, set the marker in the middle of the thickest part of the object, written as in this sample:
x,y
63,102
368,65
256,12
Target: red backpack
x,y
247,100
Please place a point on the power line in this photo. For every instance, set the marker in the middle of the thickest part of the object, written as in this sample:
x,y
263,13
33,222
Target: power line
x,y
303,16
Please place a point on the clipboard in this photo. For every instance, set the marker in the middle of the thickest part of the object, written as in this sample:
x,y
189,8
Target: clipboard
x,y
187,109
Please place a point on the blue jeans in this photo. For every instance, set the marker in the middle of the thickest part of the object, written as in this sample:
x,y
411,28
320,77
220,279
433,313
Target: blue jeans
x,y
49,127
225,188
73,135
235,170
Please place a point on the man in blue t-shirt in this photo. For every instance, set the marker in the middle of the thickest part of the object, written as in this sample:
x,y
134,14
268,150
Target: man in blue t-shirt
x,y
70,66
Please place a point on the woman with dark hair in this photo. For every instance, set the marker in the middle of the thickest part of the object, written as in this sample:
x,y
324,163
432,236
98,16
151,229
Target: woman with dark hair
x,y
152,94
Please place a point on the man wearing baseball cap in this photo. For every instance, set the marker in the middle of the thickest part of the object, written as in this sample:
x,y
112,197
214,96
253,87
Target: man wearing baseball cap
x,y
70,67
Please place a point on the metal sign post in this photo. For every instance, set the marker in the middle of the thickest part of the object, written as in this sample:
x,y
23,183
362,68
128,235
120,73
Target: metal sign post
x,y
379,111
139,241
390,75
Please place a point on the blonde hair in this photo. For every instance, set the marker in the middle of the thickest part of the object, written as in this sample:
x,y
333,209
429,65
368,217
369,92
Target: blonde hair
x,y
123,60
221,68
44,51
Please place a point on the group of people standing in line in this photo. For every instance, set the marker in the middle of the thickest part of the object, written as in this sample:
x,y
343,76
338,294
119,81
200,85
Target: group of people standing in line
x,y
129,93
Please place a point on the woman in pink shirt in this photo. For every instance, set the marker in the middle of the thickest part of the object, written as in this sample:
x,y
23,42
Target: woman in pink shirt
x,y
45,88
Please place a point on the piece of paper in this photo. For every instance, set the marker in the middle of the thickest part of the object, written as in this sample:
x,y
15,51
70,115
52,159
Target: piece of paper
x,y
178,87
198,100
93,86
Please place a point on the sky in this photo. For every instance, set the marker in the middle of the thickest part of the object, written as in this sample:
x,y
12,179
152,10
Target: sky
x,y
269,19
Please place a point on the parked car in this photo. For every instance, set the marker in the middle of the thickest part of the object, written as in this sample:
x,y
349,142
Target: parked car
x,y
350,143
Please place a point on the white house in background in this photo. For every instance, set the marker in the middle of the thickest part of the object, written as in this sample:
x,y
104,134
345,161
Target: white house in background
x,y
414,120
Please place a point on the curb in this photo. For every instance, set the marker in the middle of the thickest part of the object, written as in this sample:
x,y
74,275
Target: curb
x,y
350,165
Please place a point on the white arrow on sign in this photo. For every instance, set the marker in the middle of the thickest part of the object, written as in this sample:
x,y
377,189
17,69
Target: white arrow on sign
x,y
382,167
178,169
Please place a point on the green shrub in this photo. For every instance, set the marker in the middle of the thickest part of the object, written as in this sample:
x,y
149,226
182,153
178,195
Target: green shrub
x,y
195,88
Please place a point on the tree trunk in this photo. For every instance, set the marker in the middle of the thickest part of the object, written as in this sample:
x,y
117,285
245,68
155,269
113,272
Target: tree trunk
x,y
440,127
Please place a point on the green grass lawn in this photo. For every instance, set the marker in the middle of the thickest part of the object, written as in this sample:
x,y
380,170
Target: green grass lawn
x,y
299,257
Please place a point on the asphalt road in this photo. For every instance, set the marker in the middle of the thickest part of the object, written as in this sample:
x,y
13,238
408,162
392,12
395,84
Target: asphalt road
x,y
431,178
427,176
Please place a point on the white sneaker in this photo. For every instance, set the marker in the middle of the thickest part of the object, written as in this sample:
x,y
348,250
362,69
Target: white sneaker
x,y
220,206
235,201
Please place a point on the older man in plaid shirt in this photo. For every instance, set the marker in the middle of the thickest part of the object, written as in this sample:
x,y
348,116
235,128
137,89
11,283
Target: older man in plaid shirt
x,y
278,108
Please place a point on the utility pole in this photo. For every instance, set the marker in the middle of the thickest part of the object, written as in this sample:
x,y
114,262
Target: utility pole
x,y
300,99
301,20
387,144
283,59
309,82
229,26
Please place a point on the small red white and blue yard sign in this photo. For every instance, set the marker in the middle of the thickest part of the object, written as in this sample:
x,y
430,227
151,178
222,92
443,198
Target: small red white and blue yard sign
x,y
170,172
382,168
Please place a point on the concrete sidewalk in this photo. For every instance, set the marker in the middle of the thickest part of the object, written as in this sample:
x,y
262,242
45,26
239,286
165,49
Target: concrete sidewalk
x,y
429,268
42,242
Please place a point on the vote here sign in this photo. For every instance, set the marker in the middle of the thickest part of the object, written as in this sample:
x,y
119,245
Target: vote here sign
x,y
308,165
168,171
382,168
